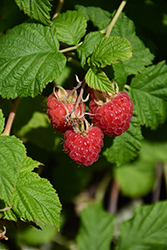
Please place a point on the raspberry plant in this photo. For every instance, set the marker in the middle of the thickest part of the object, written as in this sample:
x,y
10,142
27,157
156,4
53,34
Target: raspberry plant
x,y
83,122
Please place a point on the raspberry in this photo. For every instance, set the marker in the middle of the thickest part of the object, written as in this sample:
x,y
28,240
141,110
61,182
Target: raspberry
x,y
114,116
57,109
84,147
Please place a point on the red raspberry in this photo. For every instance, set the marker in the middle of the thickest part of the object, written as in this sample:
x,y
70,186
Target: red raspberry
x,y
84,147
56,111
114,116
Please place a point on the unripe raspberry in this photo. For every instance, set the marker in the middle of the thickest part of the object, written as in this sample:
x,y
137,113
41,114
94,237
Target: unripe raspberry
x,y
113,117
84,147
59,105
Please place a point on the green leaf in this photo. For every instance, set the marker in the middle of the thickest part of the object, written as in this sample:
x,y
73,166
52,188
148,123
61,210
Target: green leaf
x,y
35,200
12,154
97,79
99,17
146,230
31,197
70,27
37,9
124,27
86,48
2,121
33,236
126,146
29,60
96,229
111,50
149,93
136,179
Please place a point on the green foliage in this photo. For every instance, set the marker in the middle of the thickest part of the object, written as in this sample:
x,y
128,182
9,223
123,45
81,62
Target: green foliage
x,y
37,9
70,27
136,178
126,146
110,50
146,230
99,17
96,229
19,186
97,79
148,92
29,60
86,48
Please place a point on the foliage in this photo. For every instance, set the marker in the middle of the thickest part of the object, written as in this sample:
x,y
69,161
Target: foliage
x,y
37,179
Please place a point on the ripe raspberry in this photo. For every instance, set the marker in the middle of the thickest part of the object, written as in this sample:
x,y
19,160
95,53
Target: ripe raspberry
x,y
57,109
112,117
84,147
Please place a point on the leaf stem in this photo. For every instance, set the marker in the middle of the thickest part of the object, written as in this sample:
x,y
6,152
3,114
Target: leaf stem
x,y
5,209
127,87
110,26
11,117
70,48
58,9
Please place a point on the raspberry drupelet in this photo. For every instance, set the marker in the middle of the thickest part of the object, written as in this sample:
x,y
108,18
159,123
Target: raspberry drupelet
x,y
113,116
60,104
84,147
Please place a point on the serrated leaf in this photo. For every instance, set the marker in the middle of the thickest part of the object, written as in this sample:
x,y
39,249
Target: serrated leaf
x,y
31,197
70,27
149,94
124,27
97,79
96,229
126,146
12,154
146,230
111,50
35,200
136,179
28,60
86,48
99,17
37,9
2,121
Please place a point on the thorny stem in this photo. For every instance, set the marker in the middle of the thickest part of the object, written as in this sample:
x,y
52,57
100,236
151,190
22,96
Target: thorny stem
x,y
110,26
113,201
11,117
58,9
70,48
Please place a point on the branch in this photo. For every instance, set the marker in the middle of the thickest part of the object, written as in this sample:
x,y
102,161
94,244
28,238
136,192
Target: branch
x,y
58,9
110,26
11,117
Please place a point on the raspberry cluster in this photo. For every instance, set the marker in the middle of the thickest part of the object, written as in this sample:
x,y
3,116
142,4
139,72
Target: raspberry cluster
x,y
110,113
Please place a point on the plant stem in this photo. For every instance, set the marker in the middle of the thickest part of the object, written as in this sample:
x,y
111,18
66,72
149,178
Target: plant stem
x,y
70,48
126,87
58,9
113,201
110,26
80,95
156,193
5,209
11,117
